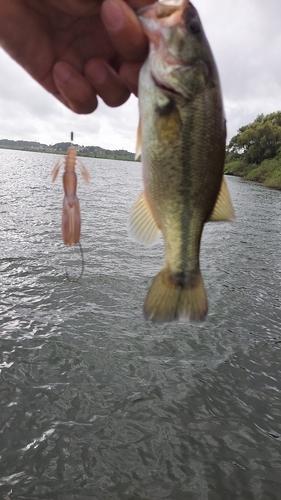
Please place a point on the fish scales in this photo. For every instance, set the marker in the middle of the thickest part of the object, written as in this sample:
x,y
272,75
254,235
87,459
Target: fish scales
x,y
183,136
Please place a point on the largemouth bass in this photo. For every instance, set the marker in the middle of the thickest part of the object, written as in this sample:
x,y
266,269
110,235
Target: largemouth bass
x,y
182,131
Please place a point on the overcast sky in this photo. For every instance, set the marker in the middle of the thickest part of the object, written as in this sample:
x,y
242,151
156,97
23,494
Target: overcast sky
x,y
245,36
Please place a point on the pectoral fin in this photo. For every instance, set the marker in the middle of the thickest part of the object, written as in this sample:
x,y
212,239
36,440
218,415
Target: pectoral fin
x,y
142,226
223,209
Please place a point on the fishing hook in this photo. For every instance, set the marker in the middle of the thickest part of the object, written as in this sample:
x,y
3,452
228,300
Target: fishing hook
x,y
75,280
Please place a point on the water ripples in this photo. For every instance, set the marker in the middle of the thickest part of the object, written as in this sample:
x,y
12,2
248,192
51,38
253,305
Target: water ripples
x,y
97,403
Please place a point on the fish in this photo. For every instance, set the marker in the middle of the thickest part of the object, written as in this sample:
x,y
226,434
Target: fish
x,y
181,137
71,217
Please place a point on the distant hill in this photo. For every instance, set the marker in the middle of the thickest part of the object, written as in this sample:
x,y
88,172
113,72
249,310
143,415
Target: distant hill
x,y
61,148
21,144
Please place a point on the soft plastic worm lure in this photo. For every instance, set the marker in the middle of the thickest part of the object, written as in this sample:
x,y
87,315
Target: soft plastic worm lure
x,y
71,218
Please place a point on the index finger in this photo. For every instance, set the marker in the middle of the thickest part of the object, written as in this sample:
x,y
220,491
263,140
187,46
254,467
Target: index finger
x,y
124,28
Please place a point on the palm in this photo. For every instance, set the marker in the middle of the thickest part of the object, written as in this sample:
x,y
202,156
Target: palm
x,y
47,39
47,35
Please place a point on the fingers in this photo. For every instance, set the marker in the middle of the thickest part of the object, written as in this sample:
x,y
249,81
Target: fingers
x,y
76,7
80,92
106,82
124,30
138,4
75,91
129,74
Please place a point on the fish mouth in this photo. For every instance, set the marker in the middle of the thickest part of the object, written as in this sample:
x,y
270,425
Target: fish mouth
x,y
163,7
161,86
166,13
161,79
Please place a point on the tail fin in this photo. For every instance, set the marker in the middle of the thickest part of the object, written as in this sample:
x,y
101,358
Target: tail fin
x,y
173,297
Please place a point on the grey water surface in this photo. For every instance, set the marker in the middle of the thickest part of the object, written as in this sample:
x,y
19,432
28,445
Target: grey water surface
x,y
97,403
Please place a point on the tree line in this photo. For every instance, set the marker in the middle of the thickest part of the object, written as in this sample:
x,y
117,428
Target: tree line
x,y
255,151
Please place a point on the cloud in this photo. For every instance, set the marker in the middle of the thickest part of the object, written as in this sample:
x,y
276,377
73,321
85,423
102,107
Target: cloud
x,y
29,112
246,41
245,37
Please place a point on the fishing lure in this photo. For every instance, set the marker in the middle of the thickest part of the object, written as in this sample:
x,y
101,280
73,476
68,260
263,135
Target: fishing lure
x,y
71,218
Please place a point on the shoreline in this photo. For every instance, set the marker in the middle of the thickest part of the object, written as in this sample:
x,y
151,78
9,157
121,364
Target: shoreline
x,y
86,152
267,173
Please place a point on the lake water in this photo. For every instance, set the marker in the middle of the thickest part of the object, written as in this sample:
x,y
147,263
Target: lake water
x,y
97,403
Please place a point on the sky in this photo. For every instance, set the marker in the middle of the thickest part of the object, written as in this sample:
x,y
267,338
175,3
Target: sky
x,y
245,38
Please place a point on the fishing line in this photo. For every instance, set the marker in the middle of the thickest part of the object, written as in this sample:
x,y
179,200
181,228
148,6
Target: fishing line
x,y
74,280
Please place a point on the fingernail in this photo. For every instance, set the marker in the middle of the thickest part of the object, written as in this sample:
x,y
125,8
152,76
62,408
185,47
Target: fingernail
x,y
100,76
62,73
112,15
97,73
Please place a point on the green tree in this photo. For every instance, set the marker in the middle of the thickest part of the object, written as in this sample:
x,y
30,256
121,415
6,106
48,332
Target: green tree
x,y
257,141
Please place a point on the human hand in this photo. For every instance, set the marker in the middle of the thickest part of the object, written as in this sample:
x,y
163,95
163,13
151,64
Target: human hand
x,y
77,49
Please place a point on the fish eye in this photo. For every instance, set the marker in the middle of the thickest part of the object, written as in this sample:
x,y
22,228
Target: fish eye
x,y
194,28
